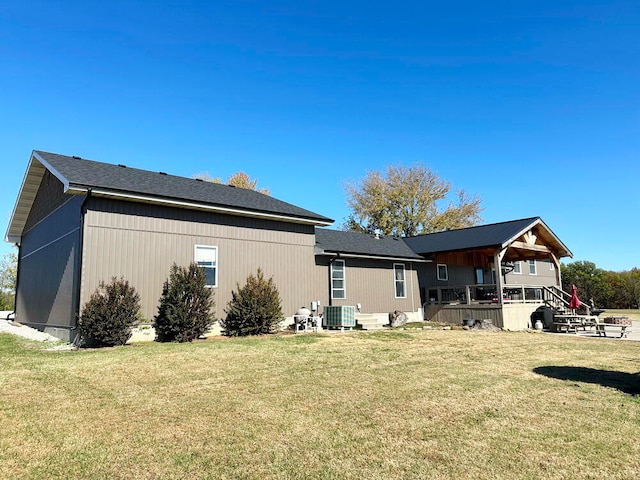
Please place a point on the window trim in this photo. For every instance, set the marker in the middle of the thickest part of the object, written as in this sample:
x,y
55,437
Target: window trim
x,y
396,281
344,280
215,266
519,272
446,272
532,263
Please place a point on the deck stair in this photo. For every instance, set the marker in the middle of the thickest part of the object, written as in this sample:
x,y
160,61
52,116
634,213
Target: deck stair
x,y
371,321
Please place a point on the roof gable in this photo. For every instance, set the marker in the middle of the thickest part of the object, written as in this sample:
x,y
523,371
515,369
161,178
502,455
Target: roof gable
x,y
103,179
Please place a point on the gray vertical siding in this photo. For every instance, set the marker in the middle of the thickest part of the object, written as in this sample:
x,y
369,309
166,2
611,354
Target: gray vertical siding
x,y
371,283
544,274
48,270
49,198
140,242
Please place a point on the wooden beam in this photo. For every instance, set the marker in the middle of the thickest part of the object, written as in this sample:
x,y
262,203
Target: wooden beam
x,y
526,246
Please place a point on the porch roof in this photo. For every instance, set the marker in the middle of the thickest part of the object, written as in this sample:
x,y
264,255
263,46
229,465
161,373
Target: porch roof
x,y
493,236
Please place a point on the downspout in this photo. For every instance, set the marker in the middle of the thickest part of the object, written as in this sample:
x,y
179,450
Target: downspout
x,y
331,260
83,211
413,300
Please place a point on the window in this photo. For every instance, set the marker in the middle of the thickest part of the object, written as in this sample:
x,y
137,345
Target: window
x,y
442,272
399,279
479,276
517,269
337,279
551,265
532,267
206,257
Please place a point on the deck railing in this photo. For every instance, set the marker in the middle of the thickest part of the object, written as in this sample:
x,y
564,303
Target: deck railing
x,y
487,294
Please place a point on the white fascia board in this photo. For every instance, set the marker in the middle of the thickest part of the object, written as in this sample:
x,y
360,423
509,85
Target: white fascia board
x,y
196,206
55,172
35,157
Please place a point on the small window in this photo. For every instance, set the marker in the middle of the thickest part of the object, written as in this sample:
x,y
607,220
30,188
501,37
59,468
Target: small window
x,y
532,267
443,274
517,269
479,276
206,257
399,279
337,279
551,265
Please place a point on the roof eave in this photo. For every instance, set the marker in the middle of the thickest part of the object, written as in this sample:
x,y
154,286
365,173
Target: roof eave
x,y
101,192
26,195
371,257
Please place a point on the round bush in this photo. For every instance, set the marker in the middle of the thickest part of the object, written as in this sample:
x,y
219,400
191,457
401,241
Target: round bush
x,y
254,309
109,315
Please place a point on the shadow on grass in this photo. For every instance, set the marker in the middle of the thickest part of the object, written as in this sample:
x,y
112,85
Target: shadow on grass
x,y
625,382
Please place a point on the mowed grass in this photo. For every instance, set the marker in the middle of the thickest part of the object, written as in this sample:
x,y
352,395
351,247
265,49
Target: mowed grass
x,y
632,314
390,405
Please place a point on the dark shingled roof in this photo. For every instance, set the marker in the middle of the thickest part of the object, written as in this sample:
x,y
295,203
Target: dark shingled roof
x,y
492,235
353,243
80,173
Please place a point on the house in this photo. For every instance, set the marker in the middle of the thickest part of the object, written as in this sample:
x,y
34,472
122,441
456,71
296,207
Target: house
x,y
79,222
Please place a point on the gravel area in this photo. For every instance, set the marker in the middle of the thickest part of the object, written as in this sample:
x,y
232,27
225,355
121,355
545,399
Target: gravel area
x,y
16,328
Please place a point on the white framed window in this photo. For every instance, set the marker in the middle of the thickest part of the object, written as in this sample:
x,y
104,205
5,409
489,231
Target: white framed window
x,y
532,267
517,268
399,280
338,279
443,274
551,265
206,257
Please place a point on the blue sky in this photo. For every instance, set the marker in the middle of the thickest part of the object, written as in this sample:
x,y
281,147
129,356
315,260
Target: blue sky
x,y
534,106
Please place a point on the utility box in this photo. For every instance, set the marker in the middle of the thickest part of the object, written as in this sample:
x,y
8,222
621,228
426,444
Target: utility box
x,y
339,317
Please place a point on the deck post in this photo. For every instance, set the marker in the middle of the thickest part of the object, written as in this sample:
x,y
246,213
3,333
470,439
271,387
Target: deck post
x,y
497,261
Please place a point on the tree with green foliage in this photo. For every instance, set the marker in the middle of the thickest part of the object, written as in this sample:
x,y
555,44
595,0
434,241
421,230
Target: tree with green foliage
x,y
186,305
587,278
109,315
631,288
254,309
8,276
407,201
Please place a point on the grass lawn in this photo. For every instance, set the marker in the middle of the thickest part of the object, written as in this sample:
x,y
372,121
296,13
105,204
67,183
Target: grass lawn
x,y
632,314
362,405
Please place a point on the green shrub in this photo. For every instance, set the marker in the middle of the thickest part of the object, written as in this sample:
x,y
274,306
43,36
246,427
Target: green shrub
x,y
7,301
109,315
186,305
254,309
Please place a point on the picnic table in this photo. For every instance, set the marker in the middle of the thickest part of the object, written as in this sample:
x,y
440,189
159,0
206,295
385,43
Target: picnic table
x,y
623,323
572,322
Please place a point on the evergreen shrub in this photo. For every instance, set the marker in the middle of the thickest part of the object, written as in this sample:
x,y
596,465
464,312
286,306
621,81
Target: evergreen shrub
x,y
186,305
254,309
109,315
